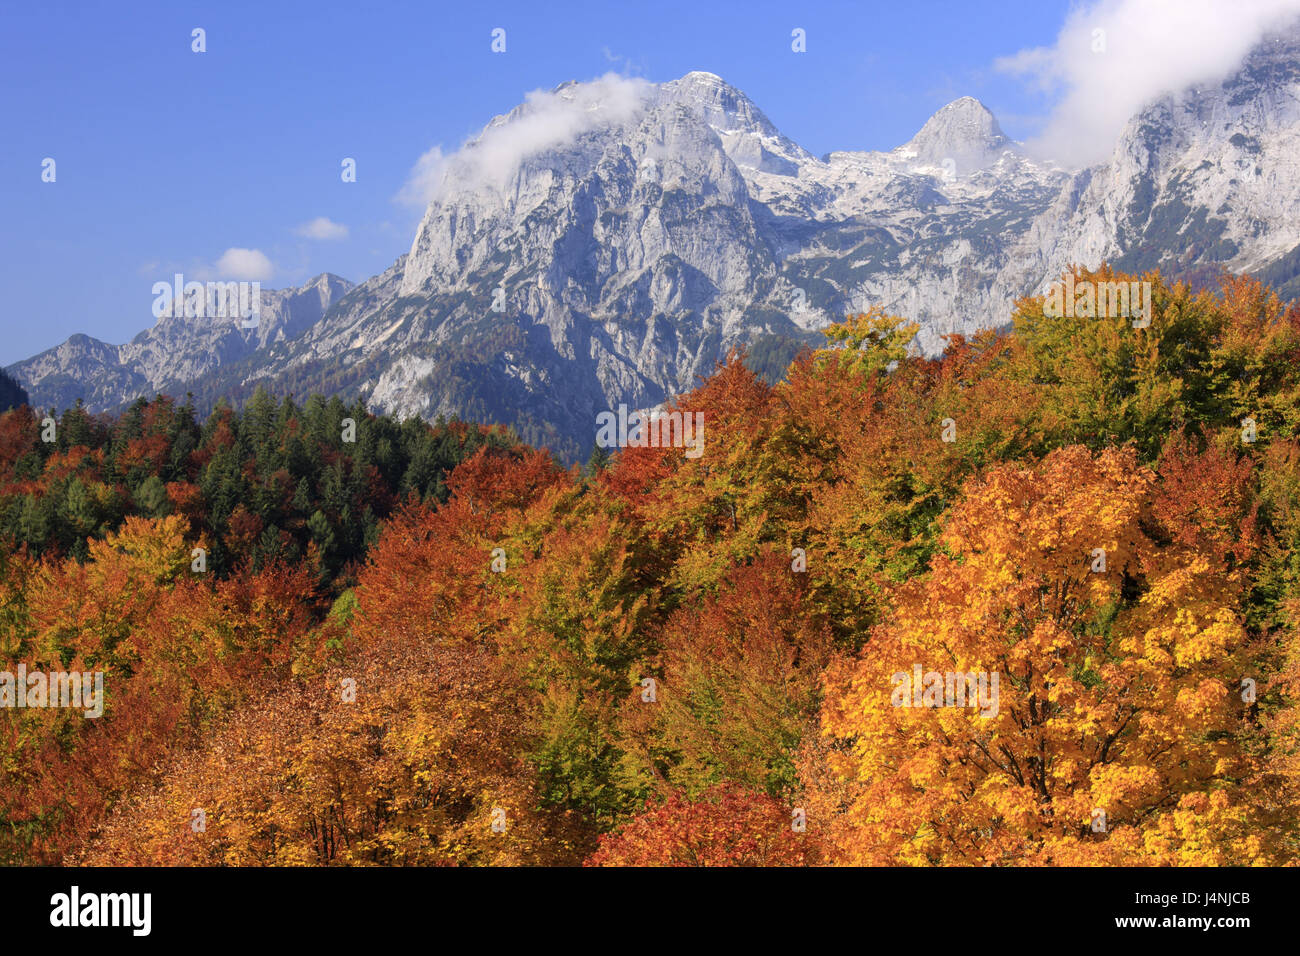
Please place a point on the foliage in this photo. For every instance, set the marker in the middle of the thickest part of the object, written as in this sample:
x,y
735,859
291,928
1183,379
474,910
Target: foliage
x,y
667,659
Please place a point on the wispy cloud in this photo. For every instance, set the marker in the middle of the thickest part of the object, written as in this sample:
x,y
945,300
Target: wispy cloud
x,y
322,228
546,120
624,64
250,265
1113,57
423,180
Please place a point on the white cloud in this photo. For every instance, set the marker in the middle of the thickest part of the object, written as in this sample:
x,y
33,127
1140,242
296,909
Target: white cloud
x,y
422,182
322,228
547,119
250,265
1151,48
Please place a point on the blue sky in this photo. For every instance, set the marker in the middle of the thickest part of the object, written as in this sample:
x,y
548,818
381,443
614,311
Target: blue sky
x,y
166,158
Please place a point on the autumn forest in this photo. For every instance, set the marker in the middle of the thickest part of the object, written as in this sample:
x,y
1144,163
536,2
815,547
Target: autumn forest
x,y
334,638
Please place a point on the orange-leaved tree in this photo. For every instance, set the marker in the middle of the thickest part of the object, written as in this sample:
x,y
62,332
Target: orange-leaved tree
x,y
727,826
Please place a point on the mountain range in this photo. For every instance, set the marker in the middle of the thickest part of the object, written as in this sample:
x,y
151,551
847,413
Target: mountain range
x,y
607,242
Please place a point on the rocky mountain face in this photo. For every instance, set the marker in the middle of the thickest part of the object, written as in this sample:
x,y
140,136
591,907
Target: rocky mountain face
x,y
607,243
177,353
1206,179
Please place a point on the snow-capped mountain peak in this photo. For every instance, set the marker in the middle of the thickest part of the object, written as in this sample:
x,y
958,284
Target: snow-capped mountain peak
x,y
607,242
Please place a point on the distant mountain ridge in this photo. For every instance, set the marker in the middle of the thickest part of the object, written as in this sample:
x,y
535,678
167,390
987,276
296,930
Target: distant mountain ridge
x,y
176,353
675,221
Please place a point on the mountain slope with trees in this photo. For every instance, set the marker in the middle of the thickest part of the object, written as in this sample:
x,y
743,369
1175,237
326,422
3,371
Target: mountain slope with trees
x,y
669,660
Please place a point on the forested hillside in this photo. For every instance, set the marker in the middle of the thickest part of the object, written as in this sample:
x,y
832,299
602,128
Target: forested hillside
x,y
273,481
12,394
434,646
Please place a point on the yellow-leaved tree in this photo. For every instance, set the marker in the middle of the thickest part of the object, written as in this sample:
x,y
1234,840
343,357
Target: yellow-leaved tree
x,y
1104,649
